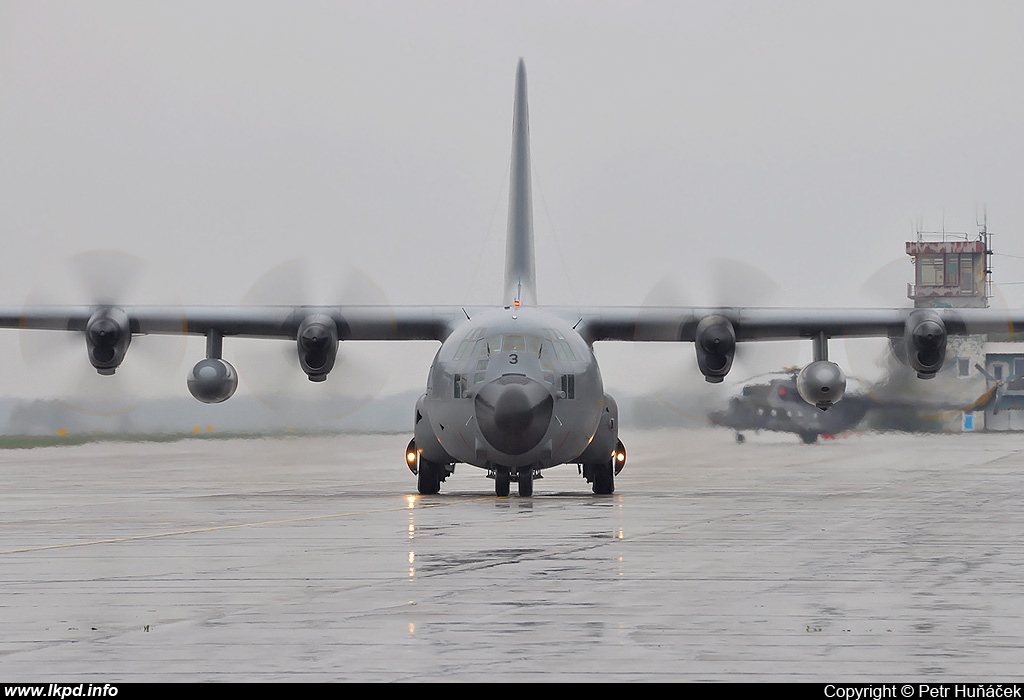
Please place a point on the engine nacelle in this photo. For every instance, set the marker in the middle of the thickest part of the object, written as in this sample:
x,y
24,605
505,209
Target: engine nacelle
x,y
925,338
317,341
715,342
821,383
212,380
107,336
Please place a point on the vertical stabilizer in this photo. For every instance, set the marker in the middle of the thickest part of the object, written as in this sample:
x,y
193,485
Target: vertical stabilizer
x,y
520,275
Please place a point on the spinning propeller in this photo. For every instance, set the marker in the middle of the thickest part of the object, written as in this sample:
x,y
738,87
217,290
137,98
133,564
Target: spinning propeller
x,y
317,378
720,282
76,362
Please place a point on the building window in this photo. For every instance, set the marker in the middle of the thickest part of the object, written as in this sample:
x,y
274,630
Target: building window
x,y
952,275
963,367
929,270
967,274
1016,382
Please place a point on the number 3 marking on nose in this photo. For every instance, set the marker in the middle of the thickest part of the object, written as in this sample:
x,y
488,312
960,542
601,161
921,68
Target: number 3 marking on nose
x,y
513,359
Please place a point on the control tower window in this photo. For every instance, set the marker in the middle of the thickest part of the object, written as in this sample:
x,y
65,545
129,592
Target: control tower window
x,y
930,270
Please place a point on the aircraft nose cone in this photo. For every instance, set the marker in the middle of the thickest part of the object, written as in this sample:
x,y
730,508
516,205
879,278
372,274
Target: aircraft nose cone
x,y
513,413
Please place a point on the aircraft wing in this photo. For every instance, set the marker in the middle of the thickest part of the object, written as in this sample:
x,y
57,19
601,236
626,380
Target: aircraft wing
x,y
657,323
673,324
715,333
353,322
317,330
653,324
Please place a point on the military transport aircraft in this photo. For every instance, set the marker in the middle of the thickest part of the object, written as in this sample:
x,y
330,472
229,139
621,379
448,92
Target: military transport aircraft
x,y
513,389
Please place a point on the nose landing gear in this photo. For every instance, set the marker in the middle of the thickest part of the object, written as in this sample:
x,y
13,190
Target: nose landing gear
x,y
503,479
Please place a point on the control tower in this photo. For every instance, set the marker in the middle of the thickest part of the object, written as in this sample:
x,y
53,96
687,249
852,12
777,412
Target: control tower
x,y
950,270
954,270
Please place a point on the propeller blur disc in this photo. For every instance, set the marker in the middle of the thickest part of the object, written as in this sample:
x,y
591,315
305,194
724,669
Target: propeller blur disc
x,y
681,388
270,370
58,359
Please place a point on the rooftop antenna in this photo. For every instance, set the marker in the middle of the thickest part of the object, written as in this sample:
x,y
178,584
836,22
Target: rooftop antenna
x,y
986,241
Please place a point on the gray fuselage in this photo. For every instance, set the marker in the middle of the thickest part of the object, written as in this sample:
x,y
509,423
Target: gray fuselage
x,y
511,388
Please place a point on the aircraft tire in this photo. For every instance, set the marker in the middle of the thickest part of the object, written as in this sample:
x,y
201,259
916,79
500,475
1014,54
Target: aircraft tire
x,y
428,480
809,438
525,482
502,485
604,478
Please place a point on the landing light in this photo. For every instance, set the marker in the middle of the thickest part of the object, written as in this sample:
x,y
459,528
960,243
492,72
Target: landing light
x,y
517,302
412,456
619,457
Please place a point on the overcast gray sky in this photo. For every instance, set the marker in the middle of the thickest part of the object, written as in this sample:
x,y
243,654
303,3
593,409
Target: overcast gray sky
x,y
213,141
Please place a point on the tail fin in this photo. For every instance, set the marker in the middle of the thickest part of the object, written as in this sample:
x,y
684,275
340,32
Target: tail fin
x,y
520,268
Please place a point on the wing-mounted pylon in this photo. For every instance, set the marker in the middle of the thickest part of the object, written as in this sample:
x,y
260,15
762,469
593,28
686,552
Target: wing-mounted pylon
x,y
821,383
213,379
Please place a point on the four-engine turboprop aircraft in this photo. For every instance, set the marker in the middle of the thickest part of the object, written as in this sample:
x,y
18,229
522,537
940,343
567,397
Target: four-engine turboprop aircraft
x,y
514,389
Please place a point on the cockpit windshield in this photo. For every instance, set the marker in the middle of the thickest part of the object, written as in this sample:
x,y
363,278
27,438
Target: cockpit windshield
x,y
480,345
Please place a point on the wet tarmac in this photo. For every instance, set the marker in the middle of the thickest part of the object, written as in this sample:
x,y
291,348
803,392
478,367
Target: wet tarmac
x,y
866,558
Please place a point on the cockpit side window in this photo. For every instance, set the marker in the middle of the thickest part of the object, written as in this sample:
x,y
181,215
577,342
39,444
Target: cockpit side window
x,y
569,385
559,345
461,351
469,344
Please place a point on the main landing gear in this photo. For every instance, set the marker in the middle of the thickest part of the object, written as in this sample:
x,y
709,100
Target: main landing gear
x,y
602,474
428,480
429,475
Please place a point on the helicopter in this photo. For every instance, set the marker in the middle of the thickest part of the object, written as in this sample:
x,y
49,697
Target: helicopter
x,y
775,405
